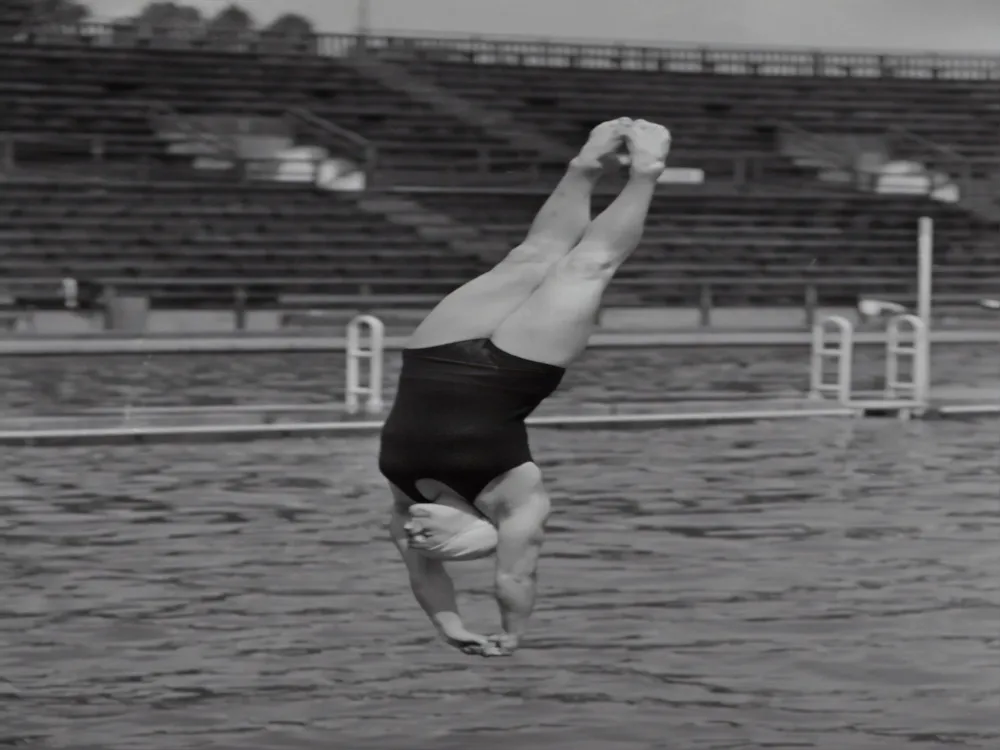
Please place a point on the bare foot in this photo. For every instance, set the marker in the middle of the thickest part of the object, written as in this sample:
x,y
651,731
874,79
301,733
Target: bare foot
x,y
648,146
602,146
427,529
468,642
502,644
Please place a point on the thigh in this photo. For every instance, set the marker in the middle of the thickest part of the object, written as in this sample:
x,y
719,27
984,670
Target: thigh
x,y
476,309
554,324
398,517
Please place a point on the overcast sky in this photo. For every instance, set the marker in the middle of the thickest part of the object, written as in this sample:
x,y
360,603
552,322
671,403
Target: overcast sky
x,y
967,25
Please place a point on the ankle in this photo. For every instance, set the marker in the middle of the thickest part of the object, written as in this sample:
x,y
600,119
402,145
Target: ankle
x,y
648,170
591,168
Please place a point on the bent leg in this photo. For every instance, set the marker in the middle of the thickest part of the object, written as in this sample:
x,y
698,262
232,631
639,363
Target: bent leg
x,y
555,323
431,585
519,506
477,308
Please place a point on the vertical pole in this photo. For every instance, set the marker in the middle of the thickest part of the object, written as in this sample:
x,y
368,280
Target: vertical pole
x,y
376,365
925,269
354,389
364,20
845,364
925,293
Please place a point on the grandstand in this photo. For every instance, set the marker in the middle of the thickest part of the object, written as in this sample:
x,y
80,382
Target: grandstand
x,y
152,163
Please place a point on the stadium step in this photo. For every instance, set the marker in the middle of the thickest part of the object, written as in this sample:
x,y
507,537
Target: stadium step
x,y
498,124
432,225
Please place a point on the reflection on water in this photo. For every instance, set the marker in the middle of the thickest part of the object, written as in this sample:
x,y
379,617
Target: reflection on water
x,y
787,585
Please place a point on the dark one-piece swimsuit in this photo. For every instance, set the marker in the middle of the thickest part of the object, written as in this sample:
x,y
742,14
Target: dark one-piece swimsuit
x,y
458,417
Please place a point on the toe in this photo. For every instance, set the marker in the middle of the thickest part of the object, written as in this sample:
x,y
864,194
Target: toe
x,y
419,542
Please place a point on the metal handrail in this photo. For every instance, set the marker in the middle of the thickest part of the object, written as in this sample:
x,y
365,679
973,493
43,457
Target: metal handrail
x,y
927,143
827,149
368,149
331,127
222,146
546,52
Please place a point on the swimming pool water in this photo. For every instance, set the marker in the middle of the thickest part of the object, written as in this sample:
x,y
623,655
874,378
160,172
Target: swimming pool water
x,y
820,584
809,584
31,385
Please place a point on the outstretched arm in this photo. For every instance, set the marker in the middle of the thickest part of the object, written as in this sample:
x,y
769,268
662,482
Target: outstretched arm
x,y
521,530
434,591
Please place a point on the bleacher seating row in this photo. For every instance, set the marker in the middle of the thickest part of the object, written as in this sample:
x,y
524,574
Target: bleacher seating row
x,y
731,113
263,232
46,90
68,110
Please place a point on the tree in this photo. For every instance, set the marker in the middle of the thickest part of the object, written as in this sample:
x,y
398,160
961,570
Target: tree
x,y
289,33
18,15
232,28
291,25
172,18
57,12
42,19
162,21
232,18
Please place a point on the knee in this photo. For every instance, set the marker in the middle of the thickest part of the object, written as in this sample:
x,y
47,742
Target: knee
x,y
530,497
537,252
540,504
534,485
591,260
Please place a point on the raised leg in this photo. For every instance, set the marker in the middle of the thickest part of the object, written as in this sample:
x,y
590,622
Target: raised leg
x,y
555,323
477,308
519,506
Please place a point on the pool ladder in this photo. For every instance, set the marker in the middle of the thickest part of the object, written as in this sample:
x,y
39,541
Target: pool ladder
x,y
840,351
907,350
365,345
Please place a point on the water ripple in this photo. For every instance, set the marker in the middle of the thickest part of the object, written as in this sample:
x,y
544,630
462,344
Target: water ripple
x,y
56,384
784,585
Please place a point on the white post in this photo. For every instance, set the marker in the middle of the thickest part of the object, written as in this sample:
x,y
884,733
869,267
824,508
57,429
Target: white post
x,y
373,353
925,269
364,18
925,295
841,351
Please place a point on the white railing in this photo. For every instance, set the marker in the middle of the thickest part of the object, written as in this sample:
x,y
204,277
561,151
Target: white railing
x,y
907,361
365,344
839,350
907,342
